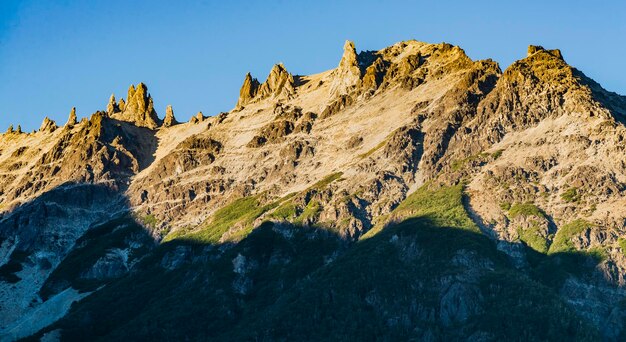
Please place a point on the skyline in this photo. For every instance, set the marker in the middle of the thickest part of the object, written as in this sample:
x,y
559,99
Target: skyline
x,y
195,57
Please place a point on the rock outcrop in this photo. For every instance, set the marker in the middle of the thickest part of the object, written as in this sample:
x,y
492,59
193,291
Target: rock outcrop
x,y
199,117
48,126
348,73
72,119
248,90
532,49
279,85
169,119
138,108
112,106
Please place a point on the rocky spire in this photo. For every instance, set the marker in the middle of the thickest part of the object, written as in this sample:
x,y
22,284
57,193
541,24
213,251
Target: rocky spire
x,y
138,108
10,129
112,107
279,82
48,125
169,120
131,91
248,90
71,121
19,129
349,62
197,118
347,73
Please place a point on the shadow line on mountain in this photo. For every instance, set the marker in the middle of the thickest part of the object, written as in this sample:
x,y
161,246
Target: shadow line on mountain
x,y
283,275
53,221
238,279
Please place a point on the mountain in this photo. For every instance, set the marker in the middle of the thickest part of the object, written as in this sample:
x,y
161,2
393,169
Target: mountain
x,y
409,193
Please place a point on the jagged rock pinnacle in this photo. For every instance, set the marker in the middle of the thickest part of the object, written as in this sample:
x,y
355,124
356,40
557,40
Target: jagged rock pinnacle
x,y
279,82
349,62
169,120
131,91
71,121
248,90
19,129
348,72
48,125
197,118
112,107
138,108
10,129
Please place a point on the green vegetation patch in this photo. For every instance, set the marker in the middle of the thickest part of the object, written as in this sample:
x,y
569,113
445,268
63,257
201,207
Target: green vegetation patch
x,y
292,276
242,211
374,149
622,245
290,211
571,195
322,184
443,206
563,237
457,165
497,154
285,212
533,238
149,221
506,206
525,209
311,211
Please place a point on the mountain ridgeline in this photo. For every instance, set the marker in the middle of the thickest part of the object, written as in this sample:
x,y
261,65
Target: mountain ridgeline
x,y
409,193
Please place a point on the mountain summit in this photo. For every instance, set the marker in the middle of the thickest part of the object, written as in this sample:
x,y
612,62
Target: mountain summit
x,y
409,193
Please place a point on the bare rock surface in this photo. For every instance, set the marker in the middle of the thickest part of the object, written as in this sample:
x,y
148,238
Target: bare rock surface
x,y
539,147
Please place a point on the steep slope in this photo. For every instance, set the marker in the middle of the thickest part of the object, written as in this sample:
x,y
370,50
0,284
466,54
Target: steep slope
x,y
56,184
419,279
306,194
371,131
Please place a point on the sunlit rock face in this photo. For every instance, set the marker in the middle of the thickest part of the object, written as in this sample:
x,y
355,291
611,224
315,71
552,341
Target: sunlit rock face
x,y
530,160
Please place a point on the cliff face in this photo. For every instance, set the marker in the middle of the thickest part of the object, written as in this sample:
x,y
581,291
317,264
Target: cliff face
x,y
528,163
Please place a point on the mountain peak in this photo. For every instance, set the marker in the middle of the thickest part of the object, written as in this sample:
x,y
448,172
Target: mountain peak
x,y
248,90
279,82
349,57
48,125
138,108
389,144
532,49
348,72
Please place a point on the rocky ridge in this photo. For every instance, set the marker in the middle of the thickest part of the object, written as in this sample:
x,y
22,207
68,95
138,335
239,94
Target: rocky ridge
x,y
538,146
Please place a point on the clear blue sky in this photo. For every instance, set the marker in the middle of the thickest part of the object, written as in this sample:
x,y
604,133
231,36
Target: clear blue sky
x,y
59,54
